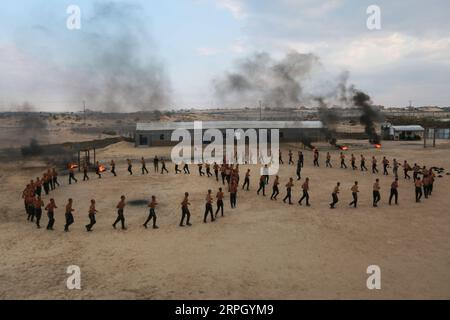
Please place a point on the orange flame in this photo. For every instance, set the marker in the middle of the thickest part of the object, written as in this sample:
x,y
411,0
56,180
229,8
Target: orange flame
x,y
102,168
73,166
378,146
344,148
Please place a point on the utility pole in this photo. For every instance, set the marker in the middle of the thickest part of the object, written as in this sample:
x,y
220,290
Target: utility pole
x,y
84,112
260,110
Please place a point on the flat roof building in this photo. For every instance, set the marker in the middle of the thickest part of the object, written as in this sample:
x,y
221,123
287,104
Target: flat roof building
x,y
159,133
407,132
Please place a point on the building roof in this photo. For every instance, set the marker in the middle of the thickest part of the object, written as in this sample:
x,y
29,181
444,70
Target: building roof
x,y
166,126
408,128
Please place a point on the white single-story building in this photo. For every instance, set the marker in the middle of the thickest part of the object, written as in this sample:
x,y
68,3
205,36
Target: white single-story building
x,y
406,132
159,133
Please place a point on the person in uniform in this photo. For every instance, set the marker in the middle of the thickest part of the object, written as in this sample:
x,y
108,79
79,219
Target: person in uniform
x,y
38,187
353,162
395,166
305,196
222,173
97,170
363,163
130,167
208,170
406,169
55,177
85,172
200,171
316,158
50,179
233,193
185,210
301,158
91,215
113,168
30,205
426,184
418,184
289,186
275,190
385,162
144,166
219,197
216,170
334,195
38,204
163,168
299,169
376,193
152,214
416,171
208,207
343,165
46,183
50,208
246,180
186,169
156,164
355,191
71,176
394,191
120,215
374,165
328,161
69,215
262,184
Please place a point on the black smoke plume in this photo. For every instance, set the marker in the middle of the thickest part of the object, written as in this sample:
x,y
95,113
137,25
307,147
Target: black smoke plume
x,y
260,77
369,115
111,62
32,128
329,119
122,71
31,150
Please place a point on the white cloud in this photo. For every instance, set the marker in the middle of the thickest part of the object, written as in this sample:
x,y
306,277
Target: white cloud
x,y
236,7
371,52
312,7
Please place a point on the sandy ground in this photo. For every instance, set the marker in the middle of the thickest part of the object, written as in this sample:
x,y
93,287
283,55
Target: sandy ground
x,y
261,250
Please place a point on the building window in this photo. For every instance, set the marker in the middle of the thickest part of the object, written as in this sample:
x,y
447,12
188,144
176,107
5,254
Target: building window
x,y
281,134
161,137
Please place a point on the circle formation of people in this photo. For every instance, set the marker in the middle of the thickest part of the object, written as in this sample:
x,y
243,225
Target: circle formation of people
x,y
228,174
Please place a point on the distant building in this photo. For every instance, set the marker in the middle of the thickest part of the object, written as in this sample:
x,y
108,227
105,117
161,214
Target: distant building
x,y
410,132
159,133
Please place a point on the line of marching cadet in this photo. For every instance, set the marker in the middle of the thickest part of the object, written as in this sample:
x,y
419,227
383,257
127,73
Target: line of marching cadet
x,y
229,175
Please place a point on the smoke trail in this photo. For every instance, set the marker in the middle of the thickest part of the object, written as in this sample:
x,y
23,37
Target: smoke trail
x,y
121,70
32,127
329,119
260,77
369,115
111,62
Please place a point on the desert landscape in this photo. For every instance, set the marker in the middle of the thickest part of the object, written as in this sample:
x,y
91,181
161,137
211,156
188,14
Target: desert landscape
x,y
263,249
93,86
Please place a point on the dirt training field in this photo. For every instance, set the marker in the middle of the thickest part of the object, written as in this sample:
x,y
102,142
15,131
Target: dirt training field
x,y
263,249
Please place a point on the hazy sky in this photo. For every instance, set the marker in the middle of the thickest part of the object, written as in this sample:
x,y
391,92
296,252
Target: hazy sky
x,y
188,43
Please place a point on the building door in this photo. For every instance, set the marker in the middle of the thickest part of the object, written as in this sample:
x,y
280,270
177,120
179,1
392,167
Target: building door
x,y
143,140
